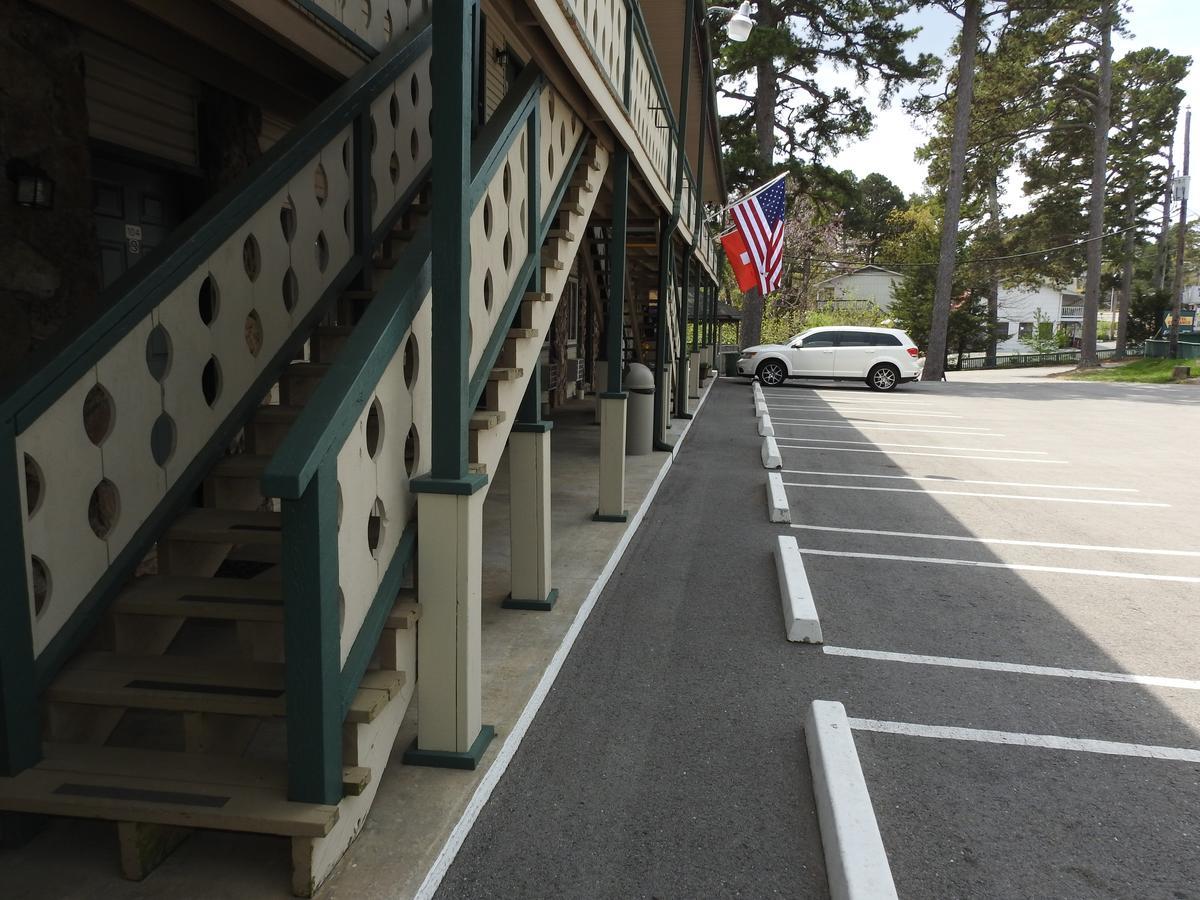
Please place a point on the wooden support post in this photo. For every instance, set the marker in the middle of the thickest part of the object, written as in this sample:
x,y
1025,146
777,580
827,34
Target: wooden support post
x,y
665,252
529,505
611,507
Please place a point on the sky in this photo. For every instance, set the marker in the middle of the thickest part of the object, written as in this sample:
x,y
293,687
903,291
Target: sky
x,y
1173,24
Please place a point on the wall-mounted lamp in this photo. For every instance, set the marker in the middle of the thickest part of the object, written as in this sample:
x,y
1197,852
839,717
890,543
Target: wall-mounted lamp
x,y
32,186
501,56
740,22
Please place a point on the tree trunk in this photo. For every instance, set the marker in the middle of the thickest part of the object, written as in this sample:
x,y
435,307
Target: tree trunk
x,y
1126,279
1177,285
752,309
993,287
1164,249
935,366
1091,296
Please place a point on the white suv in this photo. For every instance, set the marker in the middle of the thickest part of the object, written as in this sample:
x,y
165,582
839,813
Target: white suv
x,y
883,357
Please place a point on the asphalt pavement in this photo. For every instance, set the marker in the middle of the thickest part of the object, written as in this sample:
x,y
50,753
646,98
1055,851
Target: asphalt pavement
x,y
986,556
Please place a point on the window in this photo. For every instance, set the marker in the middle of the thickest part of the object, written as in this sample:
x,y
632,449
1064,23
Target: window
x,y
852,338
885,340
1025,330
824,339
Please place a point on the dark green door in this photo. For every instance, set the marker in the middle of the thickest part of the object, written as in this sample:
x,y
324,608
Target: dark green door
x,y
135,208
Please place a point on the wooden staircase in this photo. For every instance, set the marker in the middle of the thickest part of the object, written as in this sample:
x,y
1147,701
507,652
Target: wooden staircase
x,y
171,718
492,421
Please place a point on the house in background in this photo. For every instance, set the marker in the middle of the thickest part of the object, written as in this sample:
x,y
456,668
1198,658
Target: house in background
x,y
867,283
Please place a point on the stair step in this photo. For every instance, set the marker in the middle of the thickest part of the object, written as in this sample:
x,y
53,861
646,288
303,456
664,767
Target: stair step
x,y
572,207
199,684
562,234
584,185
242,465
505,373
549,261
538,297
227,526
299,370
522,333
277,414
190,790
486,419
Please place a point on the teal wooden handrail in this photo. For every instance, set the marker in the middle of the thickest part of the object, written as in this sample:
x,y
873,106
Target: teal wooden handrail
x,y
132,296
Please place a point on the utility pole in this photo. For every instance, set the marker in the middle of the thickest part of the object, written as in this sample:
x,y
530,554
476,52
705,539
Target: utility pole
x,y
1161,256
1181,244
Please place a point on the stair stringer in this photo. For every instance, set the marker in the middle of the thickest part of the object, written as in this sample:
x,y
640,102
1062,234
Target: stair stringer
x,y
525,352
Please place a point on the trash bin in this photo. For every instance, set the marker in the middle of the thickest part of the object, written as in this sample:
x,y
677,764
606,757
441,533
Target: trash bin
x,y
639,422
730,358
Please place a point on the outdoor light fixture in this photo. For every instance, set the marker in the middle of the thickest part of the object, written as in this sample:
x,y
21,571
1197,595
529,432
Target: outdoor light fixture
x,y
33,187
740,22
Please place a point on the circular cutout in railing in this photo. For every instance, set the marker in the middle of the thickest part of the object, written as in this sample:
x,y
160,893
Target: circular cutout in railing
x,y
411,361
287,220
320,184
210,381
487,217
99,414
507,252
321,248
104,508
394,110
414,143
291,289
414,89
41,584
208,300
35,484
506,183
524,219
394,168
251,257
341,610
374,428
162,439
487,290
387,27
339,506
412,450
158,353
562,138
376,526
373,132
254,332
550,162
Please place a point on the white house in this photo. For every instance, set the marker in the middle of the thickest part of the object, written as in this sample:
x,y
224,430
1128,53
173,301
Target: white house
x,y
868,283
1019,306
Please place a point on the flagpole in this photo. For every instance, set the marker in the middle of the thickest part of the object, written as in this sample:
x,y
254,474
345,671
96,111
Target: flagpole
x,y
745,197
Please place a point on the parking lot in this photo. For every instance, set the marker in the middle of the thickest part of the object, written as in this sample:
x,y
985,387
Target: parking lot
x,y
1007,579
1007,576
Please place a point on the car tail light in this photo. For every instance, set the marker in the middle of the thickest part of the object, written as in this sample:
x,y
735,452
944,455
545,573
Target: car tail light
x,y
913,352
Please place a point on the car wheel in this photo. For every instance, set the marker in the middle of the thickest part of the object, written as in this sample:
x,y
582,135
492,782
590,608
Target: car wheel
x,y
771,372
883,377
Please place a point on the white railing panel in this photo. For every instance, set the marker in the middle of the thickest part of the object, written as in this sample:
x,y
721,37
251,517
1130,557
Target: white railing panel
x,y
403,146
560,130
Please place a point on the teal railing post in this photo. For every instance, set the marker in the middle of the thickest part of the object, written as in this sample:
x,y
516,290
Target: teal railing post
x,y
681,381
312,640
616,265
20,721
627,87
666,251
451,222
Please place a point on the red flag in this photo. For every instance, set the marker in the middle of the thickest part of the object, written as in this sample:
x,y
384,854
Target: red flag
x,y
738,255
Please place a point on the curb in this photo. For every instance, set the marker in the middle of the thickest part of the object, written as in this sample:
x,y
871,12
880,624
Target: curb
x,y
765,428
777,501
770,454
855,858
799,611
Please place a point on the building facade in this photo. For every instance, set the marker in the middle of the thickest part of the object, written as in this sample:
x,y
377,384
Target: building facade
x,y
305,272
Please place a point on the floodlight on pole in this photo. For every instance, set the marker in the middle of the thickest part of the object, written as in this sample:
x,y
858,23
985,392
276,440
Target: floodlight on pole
x,y
740,21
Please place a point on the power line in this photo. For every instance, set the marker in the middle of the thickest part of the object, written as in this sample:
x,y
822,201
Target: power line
x,y
983,259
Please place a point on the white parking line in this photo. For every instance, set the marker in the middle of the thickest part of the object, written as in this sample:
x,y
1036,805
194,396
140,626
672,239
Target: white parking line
x,y
869,409
1055,462
898,490
917,446
1017,739
1017,668
1016,567
942,479
1008,542
844,398
902,429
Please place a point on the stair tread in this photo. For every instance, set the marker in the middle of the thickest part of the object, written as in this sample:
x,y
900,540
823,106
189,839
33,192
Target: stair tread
x,y
141,786
179,683
505,373
241,465
563,234
538,297
306,369
522,332
277,413
483,419
231,599
227,526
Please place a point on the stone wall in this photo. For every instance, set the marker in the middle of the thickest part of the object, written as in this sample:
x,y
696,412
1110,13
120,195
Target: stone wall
x,y
48,258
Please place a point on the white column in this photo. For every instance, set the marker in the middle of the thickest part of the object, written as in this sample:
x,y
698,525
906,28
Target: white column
x,y
612,458
529,517
449,570
694,375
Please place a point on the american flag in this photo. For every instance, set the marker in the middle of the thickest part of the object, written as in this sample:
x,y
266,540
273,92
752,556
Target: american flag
x,y
759,218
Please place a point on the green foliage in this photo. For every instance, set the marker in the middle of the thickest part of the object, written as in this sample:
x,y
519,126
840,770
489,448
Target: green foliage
x,y
868,214
1043,339
789,116
778,326
1142,371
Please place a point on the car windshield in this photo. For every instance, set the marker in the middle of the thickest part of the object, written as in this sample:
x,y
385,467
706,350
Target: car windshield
x,y
795,338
